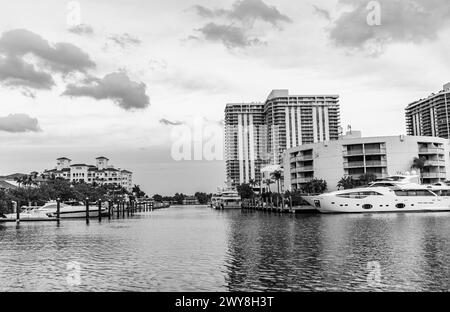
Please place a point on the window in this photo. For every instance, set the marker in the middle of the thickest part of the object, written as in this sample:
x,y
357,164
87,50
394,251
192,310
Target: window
x,y
413,193
367,206
400,206
359,195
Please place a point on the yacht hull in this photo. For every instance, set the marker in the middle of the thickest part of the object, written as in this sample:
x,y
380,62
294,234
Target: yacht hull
x,y
329,204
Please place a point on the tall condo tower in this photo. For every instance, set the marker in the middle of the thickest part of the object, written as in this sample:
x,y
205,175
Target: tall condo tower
x,y
244,142
430,116
293,120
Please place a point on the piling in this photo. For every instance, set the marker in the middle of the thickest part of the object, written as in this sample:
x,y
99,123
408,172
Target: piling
x,y
18,212
58,210
109,209
123,209
99,210
118,209
87,210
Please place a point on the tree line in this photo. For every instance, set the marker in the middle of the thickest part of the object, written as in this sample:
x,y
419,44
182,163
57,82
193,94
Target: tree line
x,y
31,192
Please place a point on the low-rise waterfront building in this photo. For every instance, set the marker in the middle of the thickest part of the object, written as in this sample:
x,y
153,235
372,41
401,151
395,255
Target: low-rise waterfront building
x,y
353,155
101,173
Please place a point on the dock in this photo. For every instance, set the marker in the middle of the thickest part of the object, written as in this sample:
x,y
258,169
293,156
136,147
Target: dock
x,y
273,208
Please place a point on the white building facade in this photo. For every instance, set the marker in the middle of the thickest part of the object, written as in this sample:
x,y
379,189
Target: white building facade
x,y
354,156
101,173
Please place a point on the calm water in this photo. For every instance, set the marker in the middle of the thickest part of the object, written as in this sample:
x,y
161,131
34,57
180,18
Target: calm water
x,y
199,249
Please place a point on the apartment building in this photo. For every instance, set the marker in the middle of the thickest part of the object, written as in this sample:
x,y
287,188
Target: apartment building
x,y
244,142
294,120
257,134
353,155
430,116
101,173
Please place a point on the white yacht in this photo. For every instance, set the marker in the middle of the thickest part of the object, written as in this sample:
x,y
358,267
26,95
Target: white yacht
x,y
74,210
28,214
215,200
229,199
393,194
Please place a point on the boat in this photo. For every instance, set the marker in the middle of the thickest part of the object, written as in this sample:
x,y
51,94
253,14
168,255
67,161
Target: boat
x,y
28,214
399,193
215,200
71,210
229,199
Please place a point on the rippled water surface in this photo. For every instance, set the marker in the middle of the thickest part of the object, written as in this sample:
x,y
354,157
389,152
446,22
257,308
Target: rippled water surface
x,y
199,249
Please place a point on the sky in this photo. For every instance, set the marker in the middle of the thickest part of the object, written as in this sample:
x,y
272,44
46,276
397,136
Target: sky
x,y
119,78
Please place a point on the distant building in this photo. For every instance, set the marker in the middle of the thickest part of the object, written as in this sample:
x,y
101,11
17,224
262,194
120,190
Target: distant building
x,y
430,116
355,155
101,173
190,200
257,134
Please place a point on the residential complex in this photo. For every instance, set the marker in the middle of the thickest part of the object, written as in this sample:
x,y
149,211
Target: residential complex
x,y
244,142
257,134
294,120
430,116
101,173
353,155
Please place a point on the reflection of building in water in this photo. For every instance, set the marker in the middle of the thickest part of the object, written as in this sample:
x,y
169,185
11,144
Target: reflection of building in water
x,y
263,254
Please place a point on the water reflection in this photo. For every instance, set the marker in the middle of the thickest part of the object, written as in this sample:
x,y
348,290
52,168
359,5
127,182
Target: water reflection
x,y
198,249
332,252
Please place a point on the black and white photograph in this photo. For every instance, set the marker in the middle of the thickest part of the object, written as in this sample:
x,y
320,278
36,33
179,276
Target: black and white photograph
x,y
228,147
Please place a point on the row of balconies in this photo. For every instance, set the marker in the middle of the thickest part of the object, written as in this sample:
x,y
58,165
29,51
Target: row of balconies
x,y
367,163
365,152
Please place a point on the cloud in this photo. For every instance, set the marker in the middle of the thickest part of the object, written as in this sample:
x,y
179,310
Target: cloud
x,y
124,40
81,29
402,21
230,36
246,11
61,57
19,123
15,72
18,70
322,13
167,122
240,20
117,86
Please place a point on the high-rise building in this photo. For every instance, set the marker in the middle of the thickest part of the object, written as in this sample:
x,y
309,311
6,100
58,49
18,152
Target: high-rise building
x,y
430,116
257,134
244,142
294,120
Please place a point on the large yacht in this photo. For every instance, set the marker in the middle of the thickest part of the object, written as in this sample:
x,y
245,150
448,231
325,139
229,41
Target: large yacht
x,y
393,194
71,210
230,200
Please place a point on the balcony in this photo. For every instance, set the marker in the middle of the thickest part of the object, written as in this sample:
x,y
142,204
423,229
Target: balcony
x,y
376,163
303,169
353,152
434,163
431,150
354,164
302,158
375,151
434,175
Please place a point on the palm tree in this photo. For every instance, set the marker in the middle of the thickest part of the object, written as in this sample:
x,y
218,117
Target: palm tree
x,y
418,163
277,175
346,182
253,183
268,182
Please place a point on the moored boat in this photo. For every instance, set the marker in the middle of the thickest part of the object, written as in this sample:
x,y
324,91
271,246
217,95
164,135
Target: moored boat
x,y
394,194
